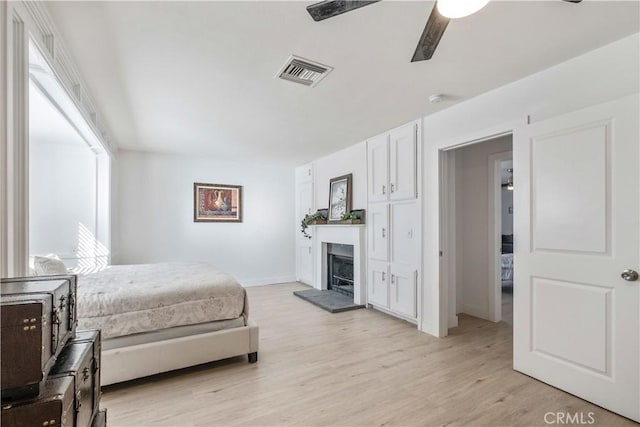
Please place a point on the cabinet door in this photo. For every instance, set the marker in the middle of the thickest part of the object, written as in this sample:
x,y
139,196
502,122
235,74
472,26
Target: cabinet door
x,y
402,291
404,228
304,173
403,164
304,201
378,284
378,229
378,168
304,266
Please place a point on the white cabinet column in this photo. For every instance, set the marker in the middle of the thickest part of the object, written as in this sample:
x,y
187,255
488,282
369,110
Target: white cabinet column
x,y
393,221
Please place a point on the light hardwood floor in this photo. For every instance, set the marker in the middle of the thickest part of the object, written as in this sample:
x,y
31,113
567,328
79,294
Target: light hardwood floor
x,y
507,308
359,368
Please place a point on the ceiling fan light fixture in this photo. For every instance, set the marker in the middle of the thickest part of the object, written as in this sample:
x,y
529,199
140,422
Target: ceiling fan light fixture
x,y
459,8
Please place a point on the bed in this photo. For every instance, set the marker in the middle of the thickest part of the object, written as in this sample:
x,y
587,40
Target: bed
x,y
160,317
507,268
506,274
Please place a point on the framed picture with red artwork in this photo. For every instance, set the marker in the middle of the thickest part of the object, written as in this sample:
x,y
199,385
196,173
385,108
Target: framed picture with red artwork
x,y
217,202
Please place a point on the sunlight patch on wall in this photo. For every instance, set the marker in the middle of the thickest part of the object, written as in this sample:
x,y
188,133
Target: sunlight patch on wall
x,y
93,256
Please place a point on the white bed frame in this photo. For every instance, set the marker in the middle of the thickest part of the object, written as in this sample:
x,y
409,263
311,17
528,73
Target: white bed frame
x,y
136,361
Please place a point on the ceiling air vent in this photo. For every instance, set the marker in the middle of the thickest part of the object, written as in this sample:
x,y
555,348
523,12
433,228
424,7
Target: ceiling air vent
x,y
303,71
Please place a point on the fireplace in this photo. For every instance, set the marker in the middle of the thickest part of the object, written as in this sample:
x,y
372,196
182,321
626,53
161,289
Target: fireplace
x,y
351,236
340,276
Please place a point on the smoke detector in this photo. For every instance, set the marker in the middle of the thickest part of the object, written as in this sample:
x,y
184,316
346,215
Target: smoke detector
x,y
438,97
303,71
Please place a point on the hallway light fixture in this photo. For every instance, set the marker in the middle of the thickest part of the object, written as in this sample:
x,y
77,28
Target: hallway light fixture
x,y
459,8
510,179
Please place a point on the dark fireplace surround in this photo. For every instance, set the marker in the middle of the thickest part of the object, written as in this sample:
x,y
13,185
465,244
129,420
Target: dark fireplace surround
x,y
340,268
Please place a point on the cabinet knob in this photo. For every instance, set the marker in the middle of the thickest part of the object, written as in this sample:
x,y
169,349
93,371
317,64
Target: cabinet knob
x,y
384,233
384,276
393,279
629,275
384,189
393,188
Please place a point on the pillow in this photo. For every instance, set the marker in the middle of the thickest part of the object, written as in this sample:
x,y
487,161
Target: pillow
x,y
48,265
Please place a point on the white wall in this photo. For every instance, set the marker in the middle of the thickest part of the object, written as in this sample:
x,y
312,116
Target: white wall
x,y
155,210
351,160
601,75
472,217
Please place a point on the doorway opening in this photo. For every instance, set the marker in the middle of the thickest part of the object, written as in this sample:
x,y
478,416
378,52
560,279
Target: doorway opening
x,y
477,230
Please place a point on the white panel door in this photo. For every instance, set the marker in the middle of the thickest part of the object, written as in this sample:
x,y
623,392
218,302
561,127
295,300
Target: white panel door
x,y
576,320
378,168
305,204
378,231
305,264
378,284
404,240
402,290
402,163
304,173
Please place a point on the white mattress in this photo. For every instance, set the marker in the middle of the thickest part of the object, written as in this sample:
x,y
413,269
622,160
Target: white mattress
x,y
507,267
131,299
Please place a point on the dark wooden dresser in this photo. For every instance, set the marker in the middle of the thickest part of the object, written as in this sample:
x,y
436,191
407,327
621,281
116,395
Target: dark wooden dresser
x,y
50,372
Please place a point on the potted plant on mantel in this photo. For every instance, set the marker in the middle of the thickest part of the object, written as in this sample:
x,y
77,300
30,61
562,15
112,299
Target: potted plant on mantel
x,y
320,217
312,219
350,218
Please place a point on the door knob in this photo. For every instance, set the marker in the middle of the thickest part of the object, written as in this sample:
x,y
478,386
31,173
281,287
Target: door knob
x,y
629,275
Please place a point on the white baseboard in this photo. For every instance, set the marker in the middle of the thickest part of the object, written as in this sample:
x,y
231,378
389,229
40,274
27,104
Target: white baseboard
x,y
475,311
453,321
267,281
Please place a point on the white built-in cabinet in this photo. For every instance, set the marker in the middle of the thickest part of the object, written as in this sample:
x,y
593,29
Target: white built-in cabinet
x,y
393,222
304,206
392,165
378,231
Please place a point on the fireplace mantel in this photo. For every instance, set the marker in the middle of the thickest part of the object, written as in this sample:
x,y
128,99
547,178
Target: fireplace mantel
x,y
346,234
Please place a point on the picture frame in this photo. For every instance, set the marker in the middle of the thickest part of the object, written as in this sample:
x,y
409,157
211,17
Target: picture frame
x,y
217,202
339,197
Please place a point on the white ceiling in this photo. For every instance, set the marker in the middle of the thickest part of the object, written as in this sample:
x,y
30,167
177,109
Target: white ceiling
x,y
197,77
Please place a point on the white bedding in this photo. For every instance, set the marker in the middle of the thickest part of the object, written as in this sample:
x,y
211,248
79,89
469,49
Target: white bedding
x,y
507,267
129,299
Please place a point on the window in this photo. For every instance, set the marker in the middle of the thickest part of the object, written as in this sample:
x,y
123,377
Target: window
x,y
68,176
